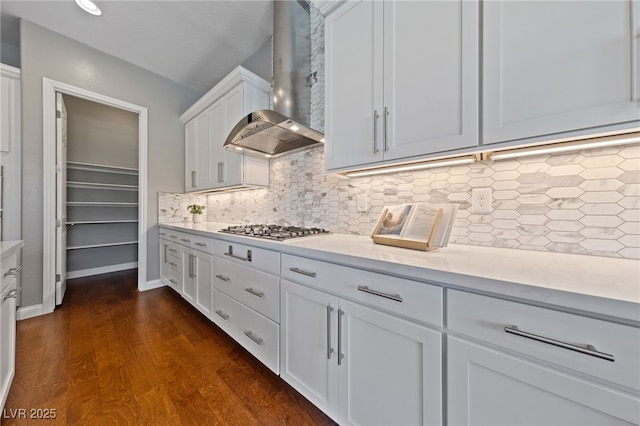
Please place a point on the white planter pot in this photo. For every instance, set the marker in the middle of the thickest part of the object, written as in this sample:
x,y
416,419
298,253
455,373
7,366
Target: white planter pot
x,y
197,218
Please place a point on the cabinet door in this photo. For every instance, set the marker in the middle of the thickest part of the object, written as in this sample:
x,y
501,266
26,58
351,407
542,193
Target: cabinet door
x,y
431,76
203,271
7,341
217,135
558,66
203,171
489,387
353,99
188,275
391,370
190,157
308,344
232,172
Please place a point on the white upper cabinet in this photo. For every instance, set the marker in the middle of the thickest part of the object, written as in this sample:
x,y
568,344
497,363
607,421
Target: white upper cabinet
x,y
559,66
208,166
401,80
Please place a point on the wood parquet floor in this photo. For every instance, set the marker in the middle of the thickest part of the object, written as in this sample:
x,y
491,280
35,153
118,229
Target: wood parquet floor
x,y
111,355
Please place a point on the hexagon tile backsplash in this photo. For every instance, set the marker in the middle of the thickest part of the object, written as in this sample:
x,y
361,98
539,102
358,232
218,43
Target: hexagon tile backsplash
x,y
585,203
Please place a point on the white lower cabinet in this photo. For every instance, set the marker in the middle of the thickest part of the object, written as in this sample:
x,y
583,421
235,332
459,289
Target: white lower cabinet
x,y
197,274
8,293
357,364
488,387
516,364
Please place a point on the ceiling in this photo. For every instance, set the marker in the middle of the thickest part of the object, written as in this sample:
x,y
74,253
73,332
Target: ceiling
x,y
195,43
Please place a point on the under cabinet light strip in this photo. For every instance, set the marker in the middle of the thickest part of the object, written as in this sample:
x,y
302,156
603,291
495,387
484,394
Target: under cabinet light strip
x,y
572,146
415,166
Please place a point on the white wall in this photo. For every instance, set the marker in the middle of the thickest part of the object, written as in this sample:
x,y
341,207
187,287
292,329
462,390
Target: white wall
x,y
51,55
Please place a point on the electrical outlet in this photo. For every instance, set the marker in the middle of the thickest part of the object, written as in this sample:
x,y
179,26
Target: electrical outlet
x,y
361,203
481,200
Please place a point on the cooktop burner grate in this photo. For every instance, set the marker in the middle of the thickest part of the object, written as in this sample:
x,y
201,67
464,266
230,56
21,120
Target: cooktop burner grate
x,y
273,232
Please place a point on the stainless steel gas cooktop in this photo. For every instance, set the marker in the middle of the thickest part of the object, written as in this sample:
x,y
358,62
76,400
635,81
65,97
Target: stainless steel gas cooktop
x,y
273,232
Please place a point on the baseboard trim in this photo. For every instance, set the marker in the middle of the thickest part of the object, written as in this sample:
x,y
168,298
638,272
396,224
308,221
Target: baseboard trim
x,y
101,270
30,312
150,285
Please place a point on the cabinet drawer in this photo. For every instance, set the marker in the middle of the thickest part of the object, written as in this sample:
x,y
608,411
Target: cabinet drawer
x,y
258,290
9,269
418,301
557,337
253,257
198,242
171,235
175,262
173,249
257,334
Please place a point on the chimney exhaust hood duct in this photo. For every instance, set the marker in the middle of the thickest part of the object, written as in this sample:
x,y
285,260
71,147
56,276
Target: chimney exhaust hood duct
x,y
286,129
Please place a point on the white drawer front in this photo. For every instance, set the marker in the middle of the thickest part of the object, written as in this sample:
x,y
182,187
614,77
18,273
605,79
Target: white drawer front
x,y
173,249
252,257
9,269
171,235
257,334
422,302
198,242
553,336
258,290
175,262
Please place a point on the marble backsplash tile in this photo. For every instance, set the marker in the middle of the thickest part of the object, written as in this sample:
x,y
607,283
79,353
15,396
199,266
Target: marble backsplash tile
x,y
585,203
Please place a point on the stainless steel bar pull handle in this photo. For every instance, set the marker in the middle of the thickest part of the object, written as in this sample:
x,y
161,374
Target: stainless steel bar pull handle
x,y
230,254
173,250
165,253
587,350
13,294
173,264
251,336
201,244
223,315
254,292
329,348
375,131
386,118
172,281
193,178
340,354
223,278
222,172
163,233
13,271
366,289
184,240
303,272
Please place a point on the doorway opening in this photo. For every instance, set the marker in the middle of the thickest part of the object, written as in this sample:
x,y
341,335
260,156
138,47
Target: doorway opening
x,y
95,163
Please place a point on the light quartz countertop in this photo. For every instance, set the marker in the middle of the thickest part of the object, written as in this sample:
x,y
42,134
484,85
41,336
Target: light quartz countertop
x,y
7,248
601,285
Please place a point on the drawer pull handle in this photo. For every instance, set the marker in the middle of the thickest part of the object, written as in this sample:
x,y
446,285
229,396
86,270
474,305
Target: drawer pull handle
x,y
185,240
163,233
230,254
366,289
174,282
303,272
201,244
173,264
588,350
254,292
13,271
223,315
223,278
254,338
173,250
13,294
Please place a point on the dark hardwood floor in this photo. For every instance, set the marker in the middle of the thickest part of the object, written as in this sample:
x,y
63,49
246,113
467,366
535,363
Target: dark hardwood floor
x,y
112,355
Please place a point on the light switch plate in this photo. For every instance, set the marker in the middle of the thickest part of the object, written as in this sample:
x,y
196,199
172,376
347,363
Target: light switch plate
x,y
361,203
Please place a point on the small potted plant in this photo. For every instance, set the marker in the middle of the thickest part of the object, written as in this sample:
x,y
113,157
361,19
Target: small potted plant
x,y
196,210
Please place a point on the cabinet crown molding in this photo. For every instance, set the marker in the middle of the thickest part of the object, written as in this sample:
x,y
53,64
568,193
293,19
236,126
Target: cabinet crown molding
x,y
235,77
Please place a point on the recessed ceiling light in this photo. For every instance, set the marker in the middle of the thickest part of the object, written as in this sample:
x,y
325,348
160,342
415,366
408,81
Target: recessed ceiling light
x,y
89,7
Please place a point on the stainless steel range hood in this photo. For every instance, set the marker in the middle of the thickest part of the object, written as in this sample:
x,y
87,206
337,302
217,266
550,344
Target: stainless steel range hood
x,y
286,129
